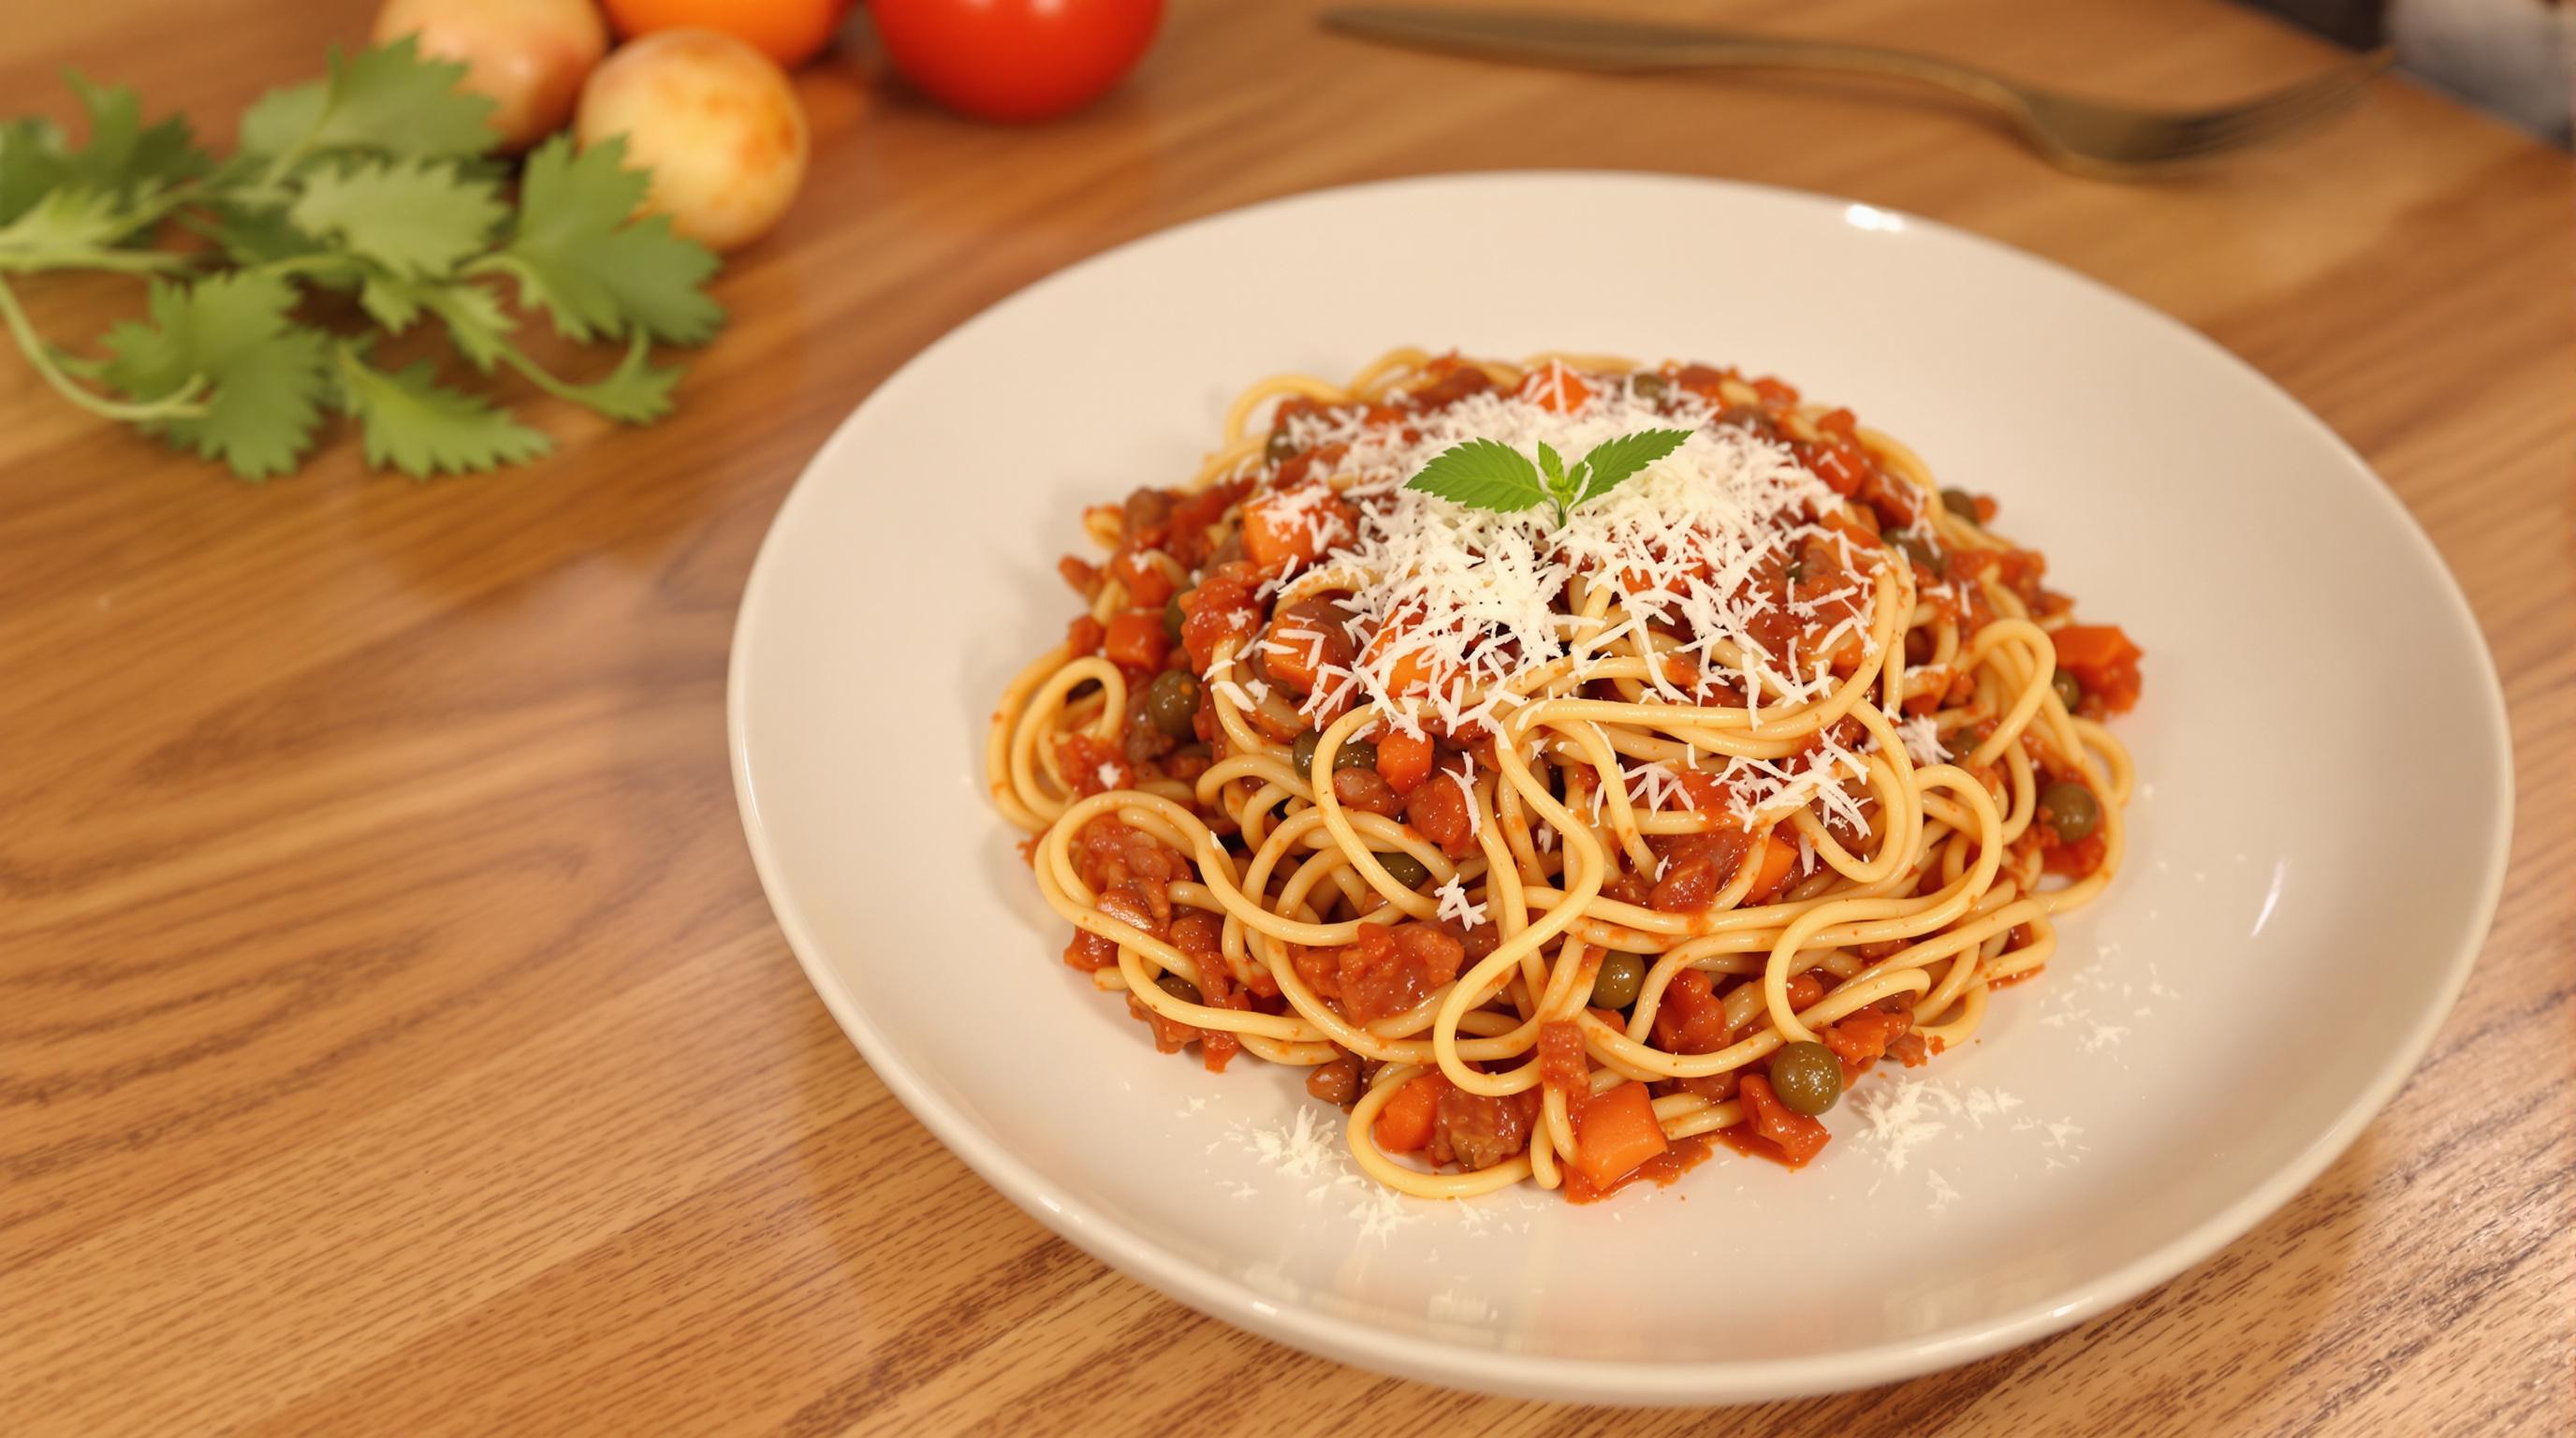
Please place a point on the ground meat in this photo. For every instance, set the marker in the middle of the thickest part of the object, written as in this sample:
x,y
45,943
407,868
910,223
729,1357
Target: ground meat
x,y
1336,1083
1716,1088
1696,867
1690,1019
1439,812
1476,1131
1384,971
1366,789
1148,517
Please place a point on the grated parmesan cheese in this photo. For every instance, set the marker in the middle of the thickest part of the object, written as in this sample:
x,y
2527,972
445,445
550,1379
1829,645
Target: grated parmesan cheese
x,y
1454,904
1476,599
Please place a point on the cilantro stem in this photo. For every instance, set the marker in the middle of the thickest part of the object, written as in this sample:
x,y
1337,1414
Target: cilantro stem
x,y
596,398
32,260
181,403
314,263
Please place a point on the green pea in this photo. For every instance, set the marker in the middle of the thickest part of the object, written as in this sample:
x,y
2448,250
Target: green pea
x,y
1280,446
1362,755
1649,387
1179,988
1616,985
2070,809
2070,690
1405,869
1960,503
1302,753
1172,618
1807,1077
1172,702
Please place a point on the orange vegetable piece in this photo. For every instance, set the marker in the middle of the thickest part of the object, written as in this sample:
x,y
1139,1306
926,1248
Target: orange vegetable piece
x,y
1798,1136
1554,387
1777,860
1404,761
1136,640
1614,1132
1404,1125
1278,526
2104,659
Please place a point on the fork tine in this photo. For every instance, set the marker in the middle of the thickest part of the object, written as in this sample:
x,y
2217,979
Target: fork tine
x,y
2332,84
2275,123
2290,110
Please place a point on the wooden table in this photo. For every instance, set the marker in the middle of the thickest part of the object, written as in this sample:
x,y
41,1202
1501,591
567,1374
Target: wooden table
x,y
393,1038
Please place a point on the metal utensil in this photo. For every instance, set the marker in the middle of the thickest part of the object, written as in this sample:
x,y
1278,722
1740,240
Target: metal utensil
x,y
2086,136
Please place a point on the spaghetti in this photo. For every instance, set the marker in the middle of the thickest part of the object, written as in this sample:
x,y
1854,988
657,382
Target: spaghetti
x,y
1557,846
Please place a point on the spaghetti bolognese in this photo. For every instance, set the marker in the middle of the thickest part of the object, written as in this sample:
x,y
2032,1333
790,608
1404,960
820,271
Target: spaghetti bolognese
x,y
1557,841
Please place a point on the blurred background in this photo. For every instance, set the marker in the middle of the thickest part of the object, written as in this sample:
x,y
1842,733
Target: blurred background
x,y
2512,58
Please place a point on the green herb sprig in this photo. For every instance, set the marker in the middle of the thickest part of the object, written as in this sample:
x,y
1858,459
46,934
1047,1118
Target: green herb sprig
x,y
1489,474
372,184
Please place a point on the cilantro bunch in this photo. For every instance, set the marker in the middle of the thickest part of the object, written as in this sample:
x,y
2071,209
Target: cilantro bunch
x,y
356,207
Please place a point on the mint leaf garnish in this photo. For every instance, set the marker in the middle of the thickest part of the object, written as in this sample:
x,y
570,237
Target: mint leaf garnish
x,y
1489,474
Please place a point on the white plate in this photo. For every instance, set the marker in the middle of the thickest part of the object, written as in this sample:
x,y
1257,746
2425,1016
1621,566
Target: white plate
x,y
2314,857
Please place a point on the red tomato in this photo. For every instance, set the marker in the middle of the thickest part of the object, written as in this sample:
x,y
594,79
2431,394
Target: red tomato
x,y
1015,60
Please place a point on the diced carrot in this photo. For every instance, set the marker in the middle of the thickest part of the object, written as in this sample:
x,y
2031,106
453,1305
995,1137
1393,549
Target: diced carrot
x,y
1555,387
1614,1132
1799,1136
1709,384
1839,463
1147,585
1414,671
1404,1125
1865,1035
1777,859
1083,634
1404,760
2092,644
1136,640
1805,990
1297,524
2104,659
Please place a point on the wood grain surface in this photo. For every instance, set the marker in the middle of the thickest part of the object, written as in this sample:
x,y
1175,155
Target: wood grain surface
x,y
393,1038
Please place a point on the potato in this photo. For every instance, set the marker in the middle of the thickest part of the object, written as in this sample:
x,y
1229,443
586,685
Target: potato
x,y
715,121
529,56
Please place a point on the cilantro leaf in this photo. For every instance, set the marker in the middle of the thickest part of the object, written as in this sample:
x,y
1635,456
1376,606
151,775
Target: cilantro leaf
x,y
252,234
475,320
1612,461
1482,474
32,164
380,182
64,229
123,154
575,254
232,329
411,216
385,98
408,421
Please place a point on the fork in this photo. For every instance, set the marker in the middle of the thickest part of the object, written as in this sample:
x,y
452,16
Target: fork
x,y
2085,136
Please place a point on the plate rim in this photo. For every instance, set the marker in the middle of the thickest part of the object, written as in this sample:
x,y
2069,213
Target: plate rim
x,y
1541,1376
